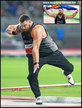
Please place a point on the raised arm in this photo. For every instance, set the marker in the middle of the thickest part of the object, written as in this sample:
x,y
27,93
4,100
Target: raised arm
x,y
37,38
13,29
48,13
71,16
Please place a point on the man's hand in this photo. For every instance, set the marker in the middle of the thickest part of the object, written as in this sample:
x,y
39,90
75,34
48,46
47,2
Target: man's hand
x,y
35,67
14,28
44,7
77,10
11,28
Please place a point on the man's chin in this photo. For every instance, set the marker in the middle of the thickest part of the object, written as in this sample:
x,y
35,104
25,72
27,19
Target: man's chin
x,y
60,13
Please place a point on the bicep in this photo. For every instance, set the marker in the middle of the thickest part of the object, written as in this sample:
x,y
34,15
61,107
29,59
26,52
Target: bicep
x,y
52,15
68,16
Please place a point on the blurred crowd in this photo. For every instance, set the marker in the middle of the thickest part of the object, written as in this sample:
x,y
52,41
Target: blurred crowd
x,y
16,8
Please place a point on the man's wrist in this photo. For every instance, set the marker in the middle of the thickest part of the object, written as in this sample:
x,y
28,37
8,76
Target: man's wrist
x,y
13,32
76,12
36,63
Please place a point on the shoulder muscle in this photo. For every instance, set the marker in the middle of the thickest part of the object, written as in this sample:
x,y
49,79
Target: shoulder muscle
x,y
36,31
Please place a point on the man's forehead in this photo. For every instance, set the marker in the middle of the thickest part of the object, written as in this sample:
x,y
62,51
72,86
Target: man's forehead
x,y
60,9
24,22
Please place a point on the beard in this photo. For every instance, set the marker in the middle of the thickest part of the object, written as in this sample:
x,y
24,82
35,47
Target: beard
x,y
60,13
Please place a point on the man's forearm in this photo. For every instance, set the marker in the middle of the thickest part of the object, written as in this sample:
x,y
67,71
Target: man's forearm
x,y
47,12
35,54
74,14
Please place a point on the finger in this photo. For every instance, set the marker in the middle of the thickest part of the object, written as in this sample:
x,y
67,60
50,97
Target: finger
x,y
38,66
35,70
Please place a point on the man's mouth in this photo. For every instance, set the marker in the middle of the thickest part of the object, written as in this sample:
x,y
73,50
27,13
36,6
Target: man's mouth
x,y
60,13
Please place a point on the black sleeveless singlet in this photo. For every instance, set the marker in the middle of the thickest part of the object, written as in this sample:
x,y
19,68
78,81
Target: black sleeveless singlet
x,y
47,45
60,20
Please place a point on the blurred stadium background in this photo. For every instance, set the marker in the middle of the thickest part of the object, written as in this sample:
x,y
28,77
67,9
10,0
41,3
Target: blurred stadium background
x,y
67,37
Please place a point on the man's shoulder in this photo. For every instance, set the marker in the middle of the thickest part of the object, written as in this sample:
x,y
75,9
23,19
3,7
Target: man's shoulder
x,y
37,28
38,25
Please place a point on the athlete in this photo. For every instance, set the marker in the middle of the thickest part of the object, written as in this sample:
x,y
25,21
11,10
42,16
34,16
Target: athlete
x,y
40,49
60,18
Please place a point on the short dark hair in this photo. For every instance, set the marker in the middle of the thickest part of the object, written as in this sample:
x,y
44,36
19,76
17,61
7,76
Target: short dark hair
x,y
23,18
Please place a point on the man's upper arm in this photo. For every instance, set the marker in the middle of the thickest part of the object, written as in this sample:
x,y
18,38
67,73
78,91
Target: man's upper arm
x,y
52,15
37,37
68,16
